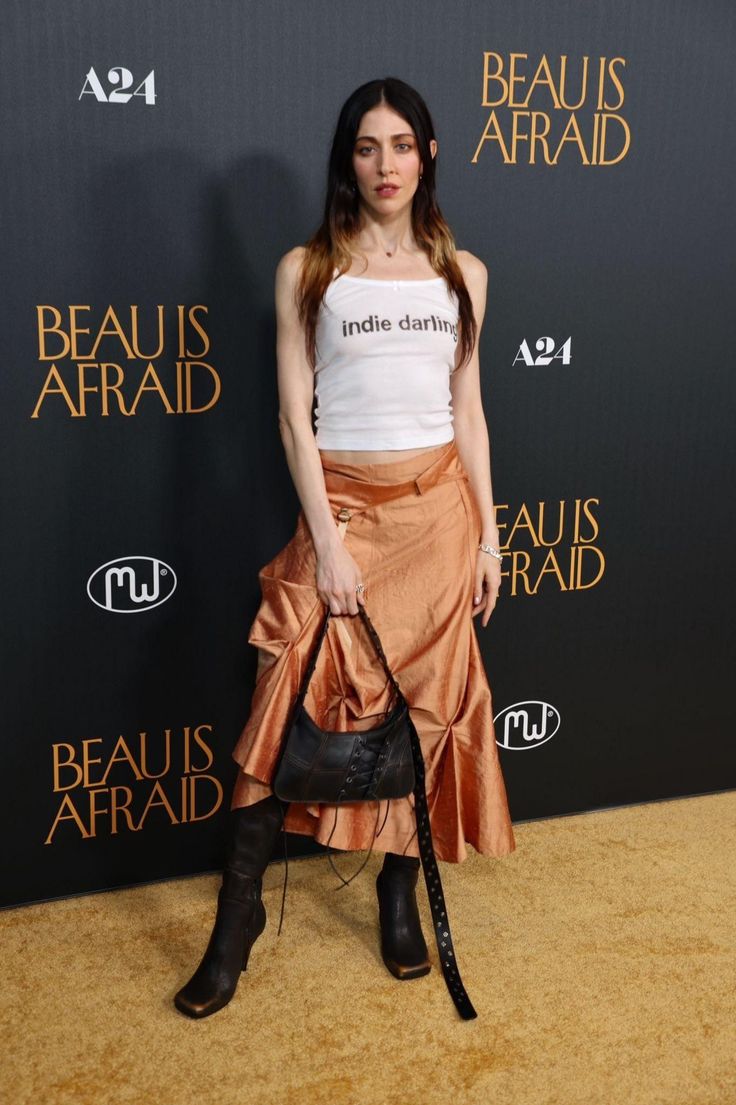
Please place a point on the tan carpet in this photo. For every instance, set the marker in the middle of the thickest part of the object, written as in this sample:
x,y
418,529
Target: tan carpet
x,y
600,957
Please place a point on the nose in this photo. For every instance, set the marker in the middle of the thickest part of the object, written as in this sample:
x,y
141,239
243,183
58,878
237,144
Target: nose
x,y
386,160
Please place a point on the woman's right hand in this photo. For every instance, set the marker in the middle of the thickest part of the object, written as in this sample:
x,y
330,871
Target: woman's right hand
x,y
337,577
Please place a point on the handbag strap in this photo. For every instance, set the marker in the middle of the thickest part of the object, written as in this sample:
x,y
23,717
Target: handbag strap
x,y
315,653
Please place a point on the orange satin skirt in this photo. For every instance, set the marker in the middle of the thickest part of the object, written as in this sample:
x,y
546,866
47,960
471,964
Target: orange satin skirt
x,y
417,556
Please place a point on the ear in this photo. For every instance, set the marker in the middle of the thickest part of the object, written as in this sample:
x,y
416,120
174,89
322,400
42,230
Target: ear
x,y
432,150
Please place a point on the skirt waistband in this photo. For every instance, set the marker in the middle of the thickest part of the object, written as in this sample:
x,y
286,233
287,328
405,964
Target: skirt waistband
x,y
353,487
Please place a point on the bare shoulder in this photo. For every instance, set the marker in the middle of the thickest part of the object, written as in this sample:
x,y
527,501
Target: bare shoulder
x,y
289,266
285,284
473,269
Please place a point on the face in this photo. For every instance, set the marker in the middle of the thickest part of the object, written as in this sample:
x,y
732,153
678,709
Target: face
x,y
386,153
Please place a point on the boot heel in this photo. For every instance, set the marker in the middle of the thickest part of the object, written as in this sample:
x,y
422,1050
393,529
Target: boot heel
x,y
259,924
249,944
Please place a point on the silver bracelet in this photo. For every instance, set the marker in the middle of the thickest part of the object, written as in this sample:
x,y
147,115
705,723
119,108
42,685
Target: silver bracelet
x,y
490,549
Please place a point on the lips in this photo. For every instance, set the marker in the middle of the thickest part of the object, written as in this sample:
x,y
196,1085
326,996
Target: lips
x,y
388,190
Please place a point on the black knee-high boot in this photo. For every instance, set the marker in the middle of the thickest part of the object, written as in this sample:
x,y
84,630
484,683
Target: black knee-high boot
x,y
403,947
241,914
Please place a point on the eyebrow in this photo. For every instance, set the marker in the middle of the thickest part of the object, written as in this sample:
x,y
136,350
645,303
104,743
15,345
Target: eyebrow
x,y
370,138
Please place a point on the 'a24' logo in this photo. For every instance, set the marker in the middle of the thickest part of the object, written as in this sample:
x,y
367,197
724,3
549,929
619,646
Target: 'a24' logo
x,y
123,78
545,355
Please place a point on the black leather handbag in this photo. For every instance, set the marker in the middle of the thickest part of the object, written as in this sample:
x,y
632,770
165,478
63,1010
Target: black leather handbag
x,y
317,765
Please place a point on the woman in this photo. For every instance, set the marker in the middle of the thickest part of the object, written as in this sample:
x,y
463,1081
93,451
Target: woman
x,y
378,317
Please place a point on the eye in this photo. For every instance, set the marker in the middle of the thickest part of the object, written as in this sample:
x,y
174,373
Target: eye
x,y
361,149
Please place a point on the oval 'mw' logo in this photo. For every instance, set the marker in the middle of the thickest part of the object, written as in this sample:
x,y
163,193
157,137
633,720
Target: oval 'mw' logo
x,y
131,584
526,725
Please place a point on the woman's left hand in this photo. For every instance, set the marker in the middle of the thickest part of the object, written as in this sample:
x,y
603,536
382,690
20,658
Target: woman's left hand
x,y
487,584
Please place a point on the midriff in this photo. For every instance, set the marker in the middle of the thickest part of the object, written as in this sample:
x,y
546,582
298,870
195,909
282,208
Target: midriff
x,y
372,456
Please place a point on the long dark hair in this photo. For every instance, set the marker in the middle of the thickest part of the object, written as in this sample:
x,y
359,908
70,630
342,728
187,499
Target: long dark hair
x,y
328,248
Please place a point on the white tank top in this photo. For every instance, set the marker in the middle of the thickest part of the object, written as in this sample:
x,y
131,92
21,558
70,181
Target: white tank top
x,y
385,351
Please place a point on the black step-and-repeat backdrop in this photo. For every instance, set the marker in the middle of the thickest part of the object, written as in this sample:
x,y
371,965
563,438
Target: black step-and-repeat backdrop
x,y
157,160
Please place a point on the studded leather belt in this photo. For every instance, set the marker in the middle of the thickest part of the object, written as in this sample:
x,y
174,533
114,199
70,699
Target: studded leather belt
x,y
440,920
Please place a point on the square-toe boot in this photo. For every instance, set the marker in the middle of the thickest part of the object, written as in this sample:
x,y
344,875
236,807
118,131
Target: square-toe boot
x,y
241,914
403,947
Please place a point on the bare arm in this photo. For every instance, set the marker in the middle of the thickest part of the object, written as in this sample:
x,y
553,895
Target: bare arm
x,y
471,439
337,572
